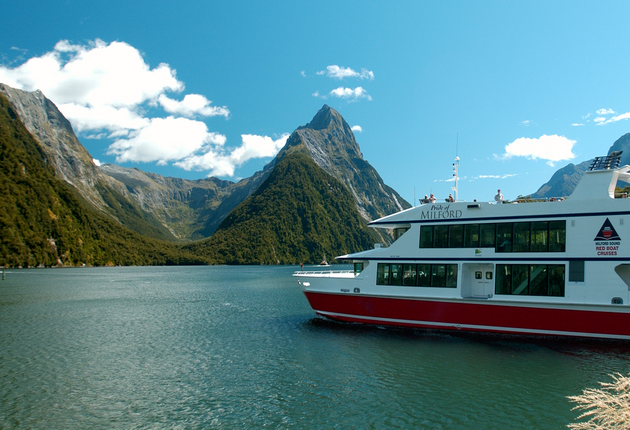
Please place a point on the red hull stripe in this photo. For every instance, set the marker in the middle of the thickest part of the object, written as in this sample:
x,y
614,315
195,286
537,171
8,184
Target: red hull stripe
x,y
512,318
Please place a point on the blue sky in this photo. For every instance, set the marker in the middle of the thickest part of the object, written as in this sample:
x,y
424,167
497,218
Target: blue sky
x,y
189,89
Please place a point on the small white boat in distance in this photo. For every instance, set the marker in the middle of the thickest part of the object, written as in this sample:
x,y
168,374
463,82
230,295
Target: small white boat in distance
x,y
559,268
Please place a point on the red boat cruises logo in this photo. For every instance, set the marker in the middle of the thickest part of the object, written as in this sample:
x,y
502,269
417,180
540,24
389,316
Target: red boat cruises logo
x,y
607,240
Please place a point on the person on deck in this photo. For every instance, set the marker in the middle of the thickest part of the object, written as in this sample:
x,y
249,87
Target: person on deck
x,y
499,197
432,199
450,198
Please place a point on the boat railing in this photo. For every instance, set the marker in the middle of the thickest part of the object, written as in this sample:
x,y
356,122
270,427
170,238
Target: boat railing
x,y
322,272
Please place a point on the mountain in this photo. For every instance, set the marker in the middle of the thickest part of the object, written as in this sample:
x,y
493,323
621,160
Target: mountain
x,y
330,142
564,180
43,221
313,199
147,203
298,215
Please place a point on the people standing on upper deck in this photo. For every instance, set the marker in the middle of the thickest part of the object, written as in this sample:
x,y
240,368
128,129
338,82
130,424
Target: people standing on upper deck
x,y
425,199
450,198
432,199
499,197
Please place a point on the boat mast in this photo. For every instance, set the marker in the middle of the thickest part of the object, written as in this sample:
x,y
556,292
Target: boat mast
x,y
455,170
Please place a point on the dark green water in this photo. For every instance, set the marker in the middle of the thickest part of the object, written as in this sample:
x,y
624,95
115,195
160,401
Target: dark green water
x,y
239,347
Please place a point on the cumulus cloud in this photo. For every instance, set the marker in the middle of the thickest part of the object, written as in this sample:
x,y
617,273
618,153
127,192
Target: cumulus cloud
x,y
253,146
337,72
105,89
357,128
350,94
551,148
193,104
164,139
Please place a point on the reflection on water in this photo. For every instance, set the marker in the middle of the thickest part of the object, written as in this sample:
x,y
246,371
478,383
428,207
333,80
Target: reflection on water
x,y
235,347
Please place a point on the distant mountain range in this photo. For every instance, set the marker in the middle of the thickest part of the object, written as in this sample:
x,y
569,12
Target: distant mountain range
x,y
180,211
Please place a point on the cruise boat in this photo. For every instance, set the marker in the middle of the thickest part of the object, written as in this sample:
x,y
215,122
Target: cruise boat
x,y
553,268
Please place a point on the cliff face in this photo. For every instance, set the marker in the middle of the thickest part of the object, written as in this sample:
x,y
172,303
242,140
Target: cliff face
x,y
71,161
331,143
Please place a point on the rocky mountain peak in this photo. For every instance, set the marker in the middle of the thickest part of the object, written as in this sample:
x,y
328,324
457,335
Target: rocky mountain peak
x,y
331,143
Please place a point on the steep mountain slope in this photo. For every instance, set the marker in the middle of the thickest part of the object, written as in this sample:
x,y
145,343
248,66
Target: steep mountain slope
x,y
44,222
299,214
331,143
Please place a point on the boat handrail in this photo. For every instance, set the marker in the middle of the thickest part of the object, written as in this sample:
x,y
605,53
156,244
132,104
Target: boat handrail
x,y
321,272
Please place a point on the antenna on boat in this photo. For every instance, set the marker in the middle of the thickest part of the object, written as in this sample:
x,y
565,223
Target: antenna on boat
x,y
455,170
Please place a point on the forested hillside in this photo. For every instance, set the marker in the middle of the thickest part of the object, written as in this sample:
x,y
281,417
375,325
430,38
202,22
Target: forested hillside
x,y
296,216
43,221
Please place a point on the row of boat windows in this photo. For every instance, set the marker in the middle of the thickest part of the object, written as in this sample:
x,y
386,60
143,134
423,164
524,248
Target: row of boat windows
x,y
530,279
535,236
417,275
511,279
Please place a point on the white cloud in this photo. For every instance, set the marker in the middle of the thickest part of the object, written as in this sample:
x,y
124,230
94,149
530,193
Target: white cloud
x,y
193,104
602,121
105,91
349,93
575,124
357,128
605,112
526,123
337,72
551,148
96,162
165,139
219,164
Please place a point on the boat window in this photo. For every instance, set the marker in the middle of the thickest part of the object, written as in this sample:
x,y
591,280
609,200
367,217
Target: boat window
x,y
538,280
471,235
451,276
536,236
409,274
576,271
478,274
382,274
358,268
423,271
426,236
440,236
396,274
504,237
487,235
399,232
438,275
521,237
520,279
539,236
557,236
421,275
504,279
456,236
530,279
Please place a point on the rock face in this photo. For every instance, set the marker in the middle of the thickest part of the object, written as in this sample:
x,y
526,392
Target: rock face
x,y
331,143
53,131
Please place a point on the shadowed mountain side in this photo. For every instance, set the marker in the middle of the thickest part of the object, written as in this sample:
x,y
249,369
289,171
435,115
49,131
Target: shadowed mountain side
x,y
296,216
44,222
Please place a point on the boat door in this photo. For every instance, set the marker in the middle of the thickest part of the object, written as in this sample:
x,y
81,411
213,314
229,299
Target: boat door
x,y
483,282
478,280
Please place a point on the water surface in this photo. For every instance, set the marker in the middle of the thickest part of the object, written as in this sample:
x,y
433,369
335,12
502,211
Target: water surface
x,y
239,347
